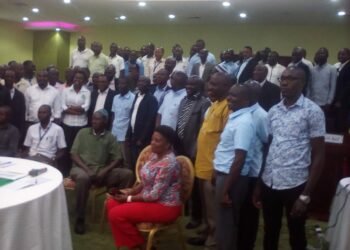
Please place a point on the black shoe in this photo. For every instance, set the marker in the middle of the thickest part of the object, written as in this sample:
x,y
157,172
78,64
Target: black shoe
x,y
79,227
193,224
196,241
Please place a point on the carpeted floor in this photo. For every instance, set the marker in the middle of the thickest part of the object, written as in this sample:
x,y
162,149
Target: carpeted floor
x,y
94,239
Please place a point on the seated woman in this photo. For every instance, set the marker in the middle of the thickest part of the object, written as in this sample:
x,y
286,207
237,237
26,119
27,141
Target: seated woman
x,y
156,199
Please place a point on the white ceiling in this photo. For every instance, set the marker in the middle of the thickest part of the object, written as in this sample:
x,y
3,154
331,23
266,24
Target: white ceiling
x,y
103,12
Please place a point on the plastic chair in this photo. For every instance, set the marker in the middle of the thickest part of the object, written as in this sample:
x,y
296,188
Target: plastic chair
x,y
187,178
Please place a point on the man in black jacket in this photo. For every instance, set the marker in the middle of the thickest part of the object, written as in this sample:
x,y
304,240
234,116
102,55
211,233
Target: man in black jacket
x,y
143,117
342,94
246,68
102,98
17,103
270,93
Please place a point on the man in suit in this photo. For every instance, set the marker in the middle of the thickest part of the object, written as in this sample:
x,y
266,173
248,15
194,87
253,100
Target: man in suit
x,y
110,74
143,117
270,93
102,98
204,69
342,93
246,68
17,103
190,118
297,61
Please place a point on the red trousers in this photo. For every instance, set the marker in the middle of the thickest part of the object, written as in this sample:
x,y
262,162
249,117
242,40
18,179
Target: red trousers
x,y
123,218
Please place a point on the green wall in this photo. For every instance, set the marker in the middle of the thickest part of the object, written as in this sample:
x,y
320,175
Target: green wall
x,y
15,42
279,37
50,47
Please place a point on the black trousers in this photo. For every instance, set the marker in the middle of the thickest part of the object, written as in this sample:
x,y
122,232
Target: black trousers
x,y
70,132
195,202
249,220
274,202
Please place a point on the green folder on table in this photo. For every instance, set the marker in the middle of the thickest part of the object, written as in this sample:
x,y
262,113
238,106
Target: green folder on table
x,y
4,181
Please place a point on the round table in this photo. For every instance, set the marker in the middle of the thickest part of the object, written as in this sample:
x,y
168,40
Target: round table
x,y
338,233
33,217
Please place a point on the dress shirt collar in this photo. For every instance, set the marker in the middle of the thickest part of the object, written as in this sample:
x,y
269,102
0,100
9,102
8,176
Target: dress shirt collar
x,y
254,106
196,96
262,83
239,112
299,102
180,91
104,92
47,86
126,96
162,89
342,65
95,134
82,51
12,92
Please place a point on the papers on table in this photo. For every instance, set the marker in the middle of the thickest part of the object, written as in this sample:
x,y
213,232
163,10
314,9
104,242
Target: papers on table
x,y
11,174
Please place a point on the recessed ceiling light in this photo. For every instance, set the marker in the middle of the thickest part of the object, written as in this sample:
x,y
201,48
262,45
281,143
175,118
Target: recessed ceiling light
x,y
142,4
242,15
87,18
226,4
58,29
66,1
25,19
35,10
122,17
171,16
341,13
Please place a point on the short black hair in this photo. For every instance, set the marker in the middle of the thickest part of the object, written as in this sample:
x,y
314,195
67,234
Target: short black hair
x,y
168,133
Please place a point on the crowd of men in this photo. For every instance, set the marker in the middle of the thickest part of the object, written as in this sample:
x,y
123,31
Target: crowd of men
x,y
248,123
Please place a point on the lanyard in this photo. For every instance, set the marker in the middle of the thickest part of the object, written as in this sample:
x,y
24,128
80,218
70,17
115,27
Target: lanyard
x,y
156,65
41,137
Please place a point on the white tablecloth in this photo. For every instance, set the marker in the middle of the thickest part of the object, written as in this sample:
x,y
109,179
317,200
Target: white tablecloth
x,y
34,217
339,235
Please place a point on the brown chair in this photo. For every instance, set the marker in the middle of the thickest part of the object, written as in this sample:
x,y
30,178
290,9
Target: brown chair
x,y
187,178
95,191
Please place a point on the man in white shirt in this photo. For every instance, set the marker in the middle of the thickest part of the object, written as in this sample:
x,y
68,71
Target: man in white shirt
x,y
181,62
117,61
53,77
168,111
305,61
155,64
149,55
275,69
45,140
80,56
40,94
29,73
323,81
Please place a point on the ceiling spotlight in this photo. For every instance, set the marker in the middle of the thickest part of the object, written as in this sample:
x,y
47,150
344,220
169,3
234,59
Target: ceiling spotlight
x,y
25,19
341,13
142,4
242,15
226,4
58,29
171,16
87,18
35,10
66,1
122,17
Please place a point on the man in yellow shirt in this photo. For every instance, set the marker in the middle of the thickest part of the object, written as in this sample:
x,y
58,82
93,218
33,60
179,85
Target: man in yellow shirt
x,y
208,138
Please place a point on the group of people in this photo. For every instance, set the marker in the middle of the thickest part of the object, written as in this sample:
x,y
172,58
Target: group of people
x,y
254,130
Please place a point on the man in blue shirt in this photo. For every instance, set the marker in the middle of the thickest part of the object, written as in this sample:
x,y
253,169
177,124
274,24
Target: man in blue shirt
x,y
230,166
294,161
228,65
200,44
160,87
249,216
168,111
121,108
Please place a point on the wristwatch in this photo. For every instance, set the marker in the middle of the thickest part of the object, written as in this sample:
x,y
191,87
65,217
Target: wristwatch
x,y
305,198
